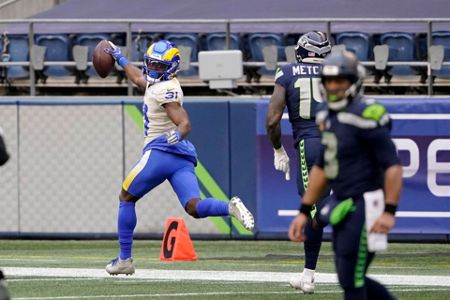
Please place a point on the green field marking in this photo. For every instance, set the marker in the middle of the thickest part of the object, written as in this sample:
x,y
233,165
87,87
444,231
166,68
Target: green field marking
x,y
135,114
216,192
205,178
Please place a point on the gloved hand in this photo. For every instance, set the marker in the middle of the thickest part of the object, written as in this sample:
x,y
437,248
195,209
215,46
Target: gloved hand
x,y
281,162
116,52
173,136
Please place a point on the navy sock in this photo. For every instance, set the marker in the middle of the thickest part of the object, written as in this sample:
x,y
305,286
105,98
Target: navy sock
x,y
126,222
212,207
312,245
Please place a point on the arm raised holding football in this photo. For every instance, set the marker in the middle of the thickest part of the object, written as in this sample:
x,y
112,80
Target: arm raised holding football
x,y
133,73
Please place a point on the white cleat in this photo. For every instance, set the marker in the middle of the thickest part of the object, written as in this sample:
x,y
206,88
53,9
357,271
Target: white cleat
x,y
307,286
118,266
237,209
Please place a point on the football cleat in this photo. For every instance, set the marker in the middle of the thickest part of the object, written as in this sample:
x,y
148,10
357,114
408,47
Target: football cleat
x,y
300,283
118,266
237,209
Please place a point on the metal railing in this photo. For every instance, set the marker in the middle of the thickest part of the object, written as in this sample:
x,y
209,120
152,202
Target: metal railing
x,y
226,29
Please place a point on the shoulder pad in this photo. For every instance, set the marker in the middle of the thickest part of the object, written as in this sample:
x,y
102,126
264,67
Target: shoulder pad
x,y
278,73
374,112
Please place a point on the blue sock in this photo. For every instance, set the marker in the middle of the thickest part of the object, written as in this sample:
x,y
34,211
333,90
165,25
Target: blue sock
x,y
212,207
126,222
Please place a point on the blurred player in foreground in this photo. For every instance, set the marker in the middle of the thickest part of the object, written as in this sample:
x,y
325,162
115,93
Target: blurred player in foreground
x,y
360,163
167,154
4,156
297,87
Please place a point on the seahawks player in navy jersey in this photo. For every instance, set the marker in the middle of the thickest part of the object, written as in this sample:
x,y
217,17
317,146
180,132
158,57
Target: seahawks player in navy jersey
x,y
360,163
167,154
297,88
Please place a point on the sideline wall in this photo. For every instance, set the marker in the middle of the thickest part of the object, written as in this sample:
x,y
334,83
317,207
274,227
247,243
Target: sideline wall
x,y
69,156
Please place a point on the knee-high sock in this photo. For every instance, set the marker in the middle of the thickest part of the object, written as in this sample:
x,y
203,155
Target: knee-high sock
x,y
126,222
312,245
212,207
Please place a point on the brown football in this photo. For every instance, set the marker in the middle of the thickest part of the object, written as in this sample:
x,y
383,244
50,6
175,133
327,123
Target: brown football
x,y
103,62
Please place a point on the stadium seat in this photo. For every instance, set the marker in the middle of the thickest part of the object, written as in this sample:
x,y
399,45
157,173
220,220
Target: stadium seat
x,y
216,41
357,42
258,41
442,38
291,39
140,43
187,43
91,41
18,51
401,48
58,48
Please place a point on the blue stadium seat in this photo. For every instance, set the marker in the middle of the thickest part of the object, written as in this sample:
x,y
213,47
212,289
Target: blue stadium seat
x,y
187,40
291,39
442,38
91,41
139,45
58,48
401,48
216,41
18,50
357,42
257,41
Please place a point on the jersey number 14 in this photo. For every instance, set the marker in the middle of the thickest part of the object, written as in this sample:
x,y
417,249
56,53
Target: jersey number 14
x,y
309,96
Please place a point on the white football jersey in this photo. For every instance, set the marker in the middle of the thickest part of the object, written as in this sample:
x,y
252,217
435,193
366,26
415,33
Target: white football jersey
x,y
156,121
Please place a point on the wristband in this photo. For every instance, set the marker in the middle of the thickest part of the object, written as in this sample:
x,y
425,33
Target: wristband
x,y
122,61
390,208
305,209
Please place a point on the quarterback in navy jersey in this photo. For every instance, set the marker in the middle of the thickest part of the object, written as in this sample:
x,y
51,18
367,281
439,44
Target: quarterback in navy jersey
x,y
359,162
297,88
167,154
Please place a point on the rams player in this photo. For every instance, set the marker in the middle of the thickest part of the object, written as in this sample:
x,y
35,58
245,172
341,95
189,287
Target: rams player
x,y
297,87
167,154
360,163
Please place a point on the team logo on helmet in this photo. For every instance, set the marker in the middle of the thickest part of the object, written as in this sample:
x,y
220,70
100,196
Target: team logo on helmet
x,y
162,61
312,47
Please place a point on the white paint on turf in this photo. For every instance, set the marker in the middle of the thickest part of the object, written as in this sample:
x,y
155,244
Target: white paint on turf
x,y
410,280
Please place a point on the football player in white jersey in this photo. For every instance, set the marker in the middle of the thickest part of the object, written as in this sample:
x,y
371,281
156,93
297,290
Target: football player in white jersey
x,y
167,154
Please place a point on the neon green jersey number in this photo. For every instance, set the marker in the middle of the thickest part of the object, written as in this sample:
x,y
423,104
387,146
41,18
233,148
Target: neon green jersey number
x,y
309,93
331,148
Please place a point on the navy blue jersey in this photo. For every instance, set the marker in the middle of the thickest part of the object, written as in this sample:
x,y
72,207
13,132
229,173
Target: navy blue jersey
x,y
301,82
357,148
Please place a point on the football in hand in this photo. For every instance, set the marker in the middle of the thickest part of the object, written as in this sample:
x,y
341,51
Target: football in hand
x,y
103,62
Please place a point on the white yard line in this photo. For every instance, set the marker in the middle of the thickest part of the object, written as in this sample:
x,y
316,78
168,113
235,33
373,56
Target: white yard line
x,y
409,280
175,295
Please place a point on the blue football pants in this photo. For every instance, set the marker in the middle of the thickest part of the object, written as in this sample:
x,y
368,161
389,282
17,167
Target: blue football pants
x,y
154,167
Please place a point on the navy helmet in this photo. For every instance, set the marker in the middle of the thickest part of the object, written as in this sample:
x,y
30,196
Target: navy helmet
x,y
342,64
312,47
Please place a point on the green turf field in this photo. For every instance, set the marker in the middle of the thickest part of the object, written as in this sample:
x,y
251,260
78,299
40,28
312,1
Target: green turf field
x,y
224,270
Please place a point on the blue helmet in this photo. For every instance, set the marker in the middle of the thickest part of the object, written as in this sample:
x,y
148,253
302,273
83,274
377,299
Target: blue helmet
x,y
161,61
342,64
312,47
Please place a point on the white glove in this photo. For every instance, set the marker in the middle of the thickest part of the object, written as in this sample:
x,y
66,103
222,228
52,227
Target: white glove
x,y
173,136
281,162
